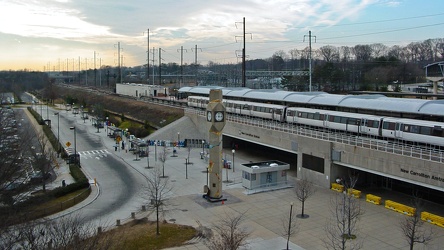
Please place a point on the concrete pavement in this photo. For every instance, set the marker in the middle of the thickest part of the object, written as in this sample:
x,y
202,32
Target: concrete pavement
x,y
264,212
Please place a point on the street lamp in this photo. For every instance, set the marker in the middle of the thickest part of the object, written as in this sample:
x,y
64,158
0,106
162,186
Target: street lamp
x,y
155,151
148,155
203,150
75,146
178,139
58,133
186,168
233,151
289,224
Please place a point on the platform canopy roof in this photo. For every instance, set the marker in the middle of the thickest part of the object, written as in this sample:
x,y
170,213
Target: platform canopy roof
x,y
365,101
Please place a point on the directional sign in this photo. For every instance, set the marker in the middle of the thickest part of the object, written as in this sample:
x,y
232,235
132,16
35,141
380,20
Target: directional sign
x,y
68,144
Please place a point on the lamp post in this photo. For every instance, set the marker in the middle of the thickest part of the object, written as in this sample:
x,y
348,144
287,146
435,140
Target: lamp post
x,y
58,133
289,224
155,151
148,155
186,168
97,124
75,146
233,151
178,139
201,155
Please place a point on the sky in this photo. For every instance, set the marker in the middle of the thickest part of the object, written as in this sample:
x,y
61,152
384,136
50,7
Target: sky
x,y
56,35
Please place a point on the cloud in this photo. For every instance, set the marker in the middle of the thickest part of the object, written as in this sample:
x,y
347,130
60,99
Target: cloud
x,y
97,25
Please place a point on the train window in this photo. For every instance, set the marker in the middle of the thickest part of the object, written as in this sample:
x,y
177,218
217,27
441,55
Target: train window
x,y
337,119
291,113
414,129
425,130
376,124
316,116
310,116
364,122
322,117
304,115
370,123
390,125
245,106
406,128
438,131
277,111
352,121
398,126
344,120
331,118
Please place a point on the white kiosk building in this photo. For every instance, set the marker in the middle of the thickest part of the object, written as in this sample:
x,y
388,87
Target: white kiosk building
x,y
264,174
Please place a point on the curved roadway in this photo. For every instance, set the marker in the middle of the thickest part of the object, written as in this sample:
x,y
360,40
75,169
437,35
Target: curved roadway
x,y
120,185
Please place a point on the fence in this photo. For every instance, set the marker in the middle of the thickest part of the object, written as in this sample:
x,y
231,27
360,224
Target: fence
x,y
395,147
62,205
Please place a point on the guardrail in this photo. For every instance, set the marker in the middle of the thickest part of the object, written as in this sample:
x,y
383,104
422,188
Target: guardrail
x,y
394,147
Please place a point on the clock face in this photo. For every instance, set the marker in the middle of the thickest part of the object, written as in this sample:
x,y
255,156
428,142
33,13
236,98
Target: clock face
x,y
219,116
209,116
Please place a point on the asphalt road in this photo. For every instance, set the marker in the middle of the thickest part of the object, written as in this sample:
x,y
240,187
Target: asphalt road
x,y
121,186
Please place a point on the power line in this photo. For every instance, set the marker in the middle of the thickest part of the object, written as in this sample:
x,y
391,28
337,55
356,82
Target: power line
x,y
382,32
370,22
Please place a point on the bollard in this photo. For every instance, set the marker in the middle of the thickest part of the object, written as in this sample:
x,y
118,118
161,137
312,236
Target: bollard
x,y
133,215
99,230
144,208
95,181
117,222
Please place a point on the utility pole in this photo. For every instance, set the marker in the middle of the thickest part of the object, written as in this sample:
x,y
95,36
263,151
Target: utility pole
x,y
121,65
79,70
119,62
244,80
100,72
181,66
160,66
86,71
148,56
243,57
95,70
309,56
195,61
154,55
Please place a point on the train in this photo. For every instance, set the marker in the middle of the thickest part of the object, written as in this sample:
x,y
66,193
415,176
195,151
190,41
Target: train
x,y
410,130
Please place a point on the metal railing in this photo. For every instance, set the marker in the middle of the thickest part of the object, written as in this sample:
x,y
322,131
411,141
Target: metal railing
x,y
390,146
269,187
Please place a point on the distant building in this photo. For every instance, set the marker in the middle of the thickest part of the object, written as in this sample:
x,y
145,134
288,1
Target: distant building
x,y
141,90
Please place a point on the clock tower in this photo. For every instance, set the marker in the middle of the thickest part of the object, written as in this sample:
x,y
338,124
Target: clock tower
x,y
215,115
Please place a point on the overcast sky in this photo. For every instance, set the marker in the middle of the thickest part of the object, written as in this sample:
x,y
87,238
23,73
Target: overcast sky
x,y
44,34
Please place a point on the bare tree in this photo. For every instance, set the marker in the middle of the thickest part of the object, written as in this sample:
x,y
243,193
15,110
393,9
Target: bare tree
x,y
289,225
159,189
64,233
412,227
341,230
329,53
43,159
304,189
163,156
229,235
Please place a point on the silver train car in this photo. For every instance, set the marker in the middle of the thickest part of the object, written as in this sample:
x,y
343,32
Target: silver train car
x,y
415,131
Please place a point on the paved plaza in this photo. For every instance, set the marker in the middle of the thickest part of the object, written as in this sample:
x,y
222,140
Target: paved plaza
x,y
264,211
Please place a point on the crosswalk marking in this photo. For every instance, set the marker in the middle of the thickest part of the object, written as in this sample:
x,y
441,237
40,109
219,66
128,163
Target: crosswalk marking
x,y
98,154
